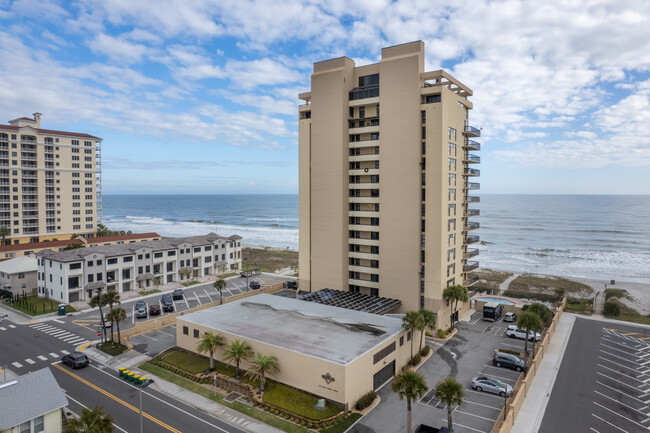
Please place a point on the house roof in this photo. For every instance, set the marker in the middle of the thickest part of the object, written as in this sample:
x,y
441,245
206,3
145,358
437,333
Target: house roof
x,y
18,265
49,131
79,254
119,238
38,245
329,333
29,396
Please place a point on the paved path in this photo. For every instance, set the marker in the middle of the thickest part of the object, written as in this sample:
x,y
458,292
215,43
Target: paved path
x,y
599,304
504,286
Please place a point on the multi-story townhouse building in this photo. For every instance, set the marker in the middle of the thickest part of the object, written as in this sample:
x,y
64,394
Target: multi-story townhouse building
x,y
78,274
50,182
385,191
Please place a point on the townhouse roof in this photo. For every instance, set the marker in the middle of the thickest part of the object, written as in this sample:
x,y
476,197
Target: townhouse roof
x,y
119,238
29,396
19,265
37,245
48,131
164,244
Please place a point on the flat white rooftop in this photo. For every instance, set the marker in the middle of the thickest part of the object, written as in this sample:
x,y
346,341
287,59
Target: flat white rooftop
x,y
330,333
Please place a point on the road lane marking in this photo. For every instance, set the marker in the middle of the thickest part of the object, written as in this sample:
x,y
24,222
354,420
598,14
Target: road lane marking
x,y
477,416
58,321
54,355
119,400
42,358
86,407
12,326
65,352
2,329
84,346
17,364
607,422
29,361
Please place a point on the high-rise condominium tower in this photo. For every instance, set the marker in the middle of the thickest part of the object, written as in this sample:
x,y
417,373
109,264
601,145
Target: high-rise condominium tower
x,y
50,182
386,180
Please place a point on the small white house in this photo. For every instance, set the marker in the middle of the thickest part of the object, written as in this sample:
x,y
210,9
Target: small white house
x,y
19,275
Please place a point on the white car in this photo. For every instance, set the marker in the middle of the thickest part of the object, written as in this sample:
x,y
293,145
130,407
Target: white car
x,y
509,317
514,332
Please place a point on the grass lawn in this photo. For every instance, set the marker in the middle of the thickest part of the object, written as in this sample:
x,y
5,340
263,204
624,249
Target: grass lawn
x,y
149,292
579,305
343,425
194,363
268,259
228,275
35,306
258,414
548,284
112,348
190,283
295,401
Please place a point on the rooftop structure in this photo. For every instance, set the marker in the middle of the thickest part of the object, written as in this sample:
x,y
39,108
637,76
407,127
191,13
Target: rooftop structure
x,y
352,301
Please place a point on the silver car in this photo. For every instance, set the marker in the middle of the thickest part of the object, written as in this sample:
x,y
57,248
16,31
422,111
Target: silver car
x,y
490,384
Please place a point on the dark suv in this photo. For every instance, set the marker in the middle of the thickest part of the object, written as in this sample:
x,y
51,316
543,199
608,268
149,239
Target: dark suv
x,y
254,285
501,359
178,294
167,302
75,360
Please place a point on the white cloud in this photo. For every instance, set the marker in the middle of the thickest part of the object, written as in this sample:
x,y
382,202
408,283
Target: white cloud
x,y
117,48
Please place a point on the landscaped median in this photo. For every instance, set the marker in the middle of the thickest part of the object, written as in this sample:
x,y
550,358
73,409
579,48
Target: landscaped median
x,y
281,406
34,305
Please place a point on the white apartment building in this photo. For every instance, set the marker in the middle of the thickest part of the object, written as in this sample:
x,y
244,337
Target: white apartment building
x,y
78,274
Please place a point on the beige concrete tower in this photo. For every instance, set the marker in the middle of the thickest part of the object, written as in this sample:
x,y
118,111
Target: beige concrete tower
x,y
385,175
50,182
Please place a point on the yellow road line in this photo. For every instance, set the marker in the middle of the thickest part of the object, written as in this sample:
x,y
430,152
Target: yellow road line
x,y
643,338
83,346
32,322
631,333
122,402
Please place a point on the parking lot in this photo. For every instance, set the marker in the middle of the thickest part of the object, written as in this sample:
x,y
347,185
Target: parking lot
x,y
154,342
466,355
604,380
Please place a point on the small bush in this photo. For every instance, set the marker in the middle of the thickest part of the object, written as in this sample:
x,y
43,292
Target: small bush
x,y
366,400
559,291
612,309
512,352
441,333
416,359
425,351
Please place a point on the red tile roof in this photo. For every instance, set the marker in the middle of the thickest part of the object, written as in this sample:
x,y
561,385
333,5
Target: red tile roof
x,y
133,236
26,118
50,131
37,245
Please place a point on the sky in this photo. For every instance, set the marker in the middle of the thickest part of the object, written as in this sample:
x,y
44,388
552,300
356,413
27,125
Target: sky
x,y
200,96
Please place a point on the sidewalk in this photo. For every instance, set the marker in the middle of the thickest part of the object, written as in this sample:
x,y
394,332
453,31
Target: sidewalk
x,y
132,359
532,411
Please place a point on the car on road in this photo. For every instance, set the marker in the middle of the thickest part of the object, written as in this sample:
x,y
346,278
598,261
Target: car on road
x,y
177,294
490,384
140,309
510,317
167,302
254,285
154,310
508,360
514,332
292,284
75,360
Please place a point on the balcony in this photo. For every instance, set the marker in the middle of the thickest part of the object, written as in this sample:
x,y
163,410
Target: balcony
x,y
472,172
470,131
362,269
472,199
472,226
359,241
471,239
471,252
472,212
30,224
363,213
29,165
363,283
28,157
360,158
364,185
470,280
470,266
472,185
473,159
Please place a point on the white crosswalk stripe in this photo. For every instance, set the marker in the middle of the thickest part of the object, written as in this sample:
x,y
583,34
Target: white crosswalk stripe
x,y
12,326
29,361
16,364
65,352
42,358
54,355
61,334
2,329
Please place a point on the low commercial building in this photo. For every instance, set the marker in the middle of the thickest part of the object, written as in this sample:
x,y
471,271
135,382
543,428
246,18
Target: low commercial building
x,y
19,275
331,352
78,274
31,403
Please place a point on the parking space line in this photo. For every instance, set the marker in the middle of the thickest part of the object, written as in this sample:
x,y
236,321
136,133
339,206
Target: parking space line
x,y
151,338
616,356
503,378
618,381
627,353
620,344
487,395
481,404
186,303
618,391
618,414
476,416
593,429
133,315
623,366
464,426
198,298
206,292
500,369
607,422
620,402
512,345
618,372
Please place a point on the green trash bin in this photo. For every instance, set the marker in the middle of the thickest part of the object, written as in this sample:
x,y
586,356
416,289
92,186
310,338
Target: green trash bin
x,y
130,376
62,311
136,379
121,370
125,374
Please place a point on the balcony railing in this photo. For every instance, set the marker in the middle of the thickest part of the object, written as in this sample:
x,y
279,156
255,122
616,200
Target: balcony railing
x,y
473,159
471,252
472,239
473,212
470,280
472,185
472,199
472,172
470,266
470,131
472,226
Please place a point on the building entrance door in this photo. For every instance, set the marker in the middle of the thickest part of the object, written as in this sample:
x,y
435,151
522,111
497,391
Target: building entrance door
x,y
383,375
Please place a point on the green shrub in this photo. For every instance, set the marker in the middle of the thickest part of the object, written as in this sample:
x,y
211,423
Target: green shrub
x,y
425,351
366,400
441,333
544,297
416,359
612,309
512,352
559,291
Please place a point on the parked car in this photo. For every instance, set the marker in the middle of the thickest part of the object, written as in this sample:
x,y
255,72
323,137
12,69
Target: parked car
x,y
514,332
167,302
422,428
490,384
140,309
501,359
177,294
254,285
292,284
154,309
510,317
107,323
75,360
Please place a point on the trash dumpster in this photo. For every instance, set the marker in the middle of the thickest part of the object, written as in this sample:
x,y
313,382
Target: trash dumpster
x,y
121,370
62,311
136,379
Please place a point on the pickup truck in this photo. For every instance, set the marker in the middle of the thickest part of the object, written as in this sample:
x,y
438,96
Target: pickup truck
x,y
428,429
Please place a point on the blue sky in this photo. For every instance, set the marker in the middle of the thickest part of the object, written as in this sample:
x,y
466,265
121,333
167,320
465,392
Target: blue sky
x,y
201,96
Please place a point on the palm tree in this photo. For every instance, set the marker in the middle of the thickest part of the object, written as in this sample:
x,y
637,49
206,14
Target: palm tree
x,y
98,301
209,343
411,385
541,310
116,315
411,322
102,230
449,392
110,298
429,319
4,232
74,236
220,284
262,367
236,352
528,321
91,421
455,294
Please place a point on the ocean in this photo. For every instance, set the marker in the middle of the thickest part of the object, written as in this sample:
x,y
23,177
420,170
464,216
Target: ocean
x,y
587,236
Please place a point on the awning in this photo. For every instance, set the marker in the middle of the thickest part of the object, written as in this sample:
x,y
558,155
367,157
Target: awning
x,y
143,277
96,285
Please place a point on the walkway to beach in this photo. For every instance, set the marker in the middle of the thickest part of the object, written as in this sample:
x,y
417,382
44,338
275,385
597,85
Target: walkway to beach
x,y
504,286
599,304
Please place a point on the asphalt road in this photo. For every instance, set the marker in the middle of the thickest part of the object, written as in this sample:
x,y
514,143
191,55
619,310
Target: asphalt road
x,y
94,386
603,384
